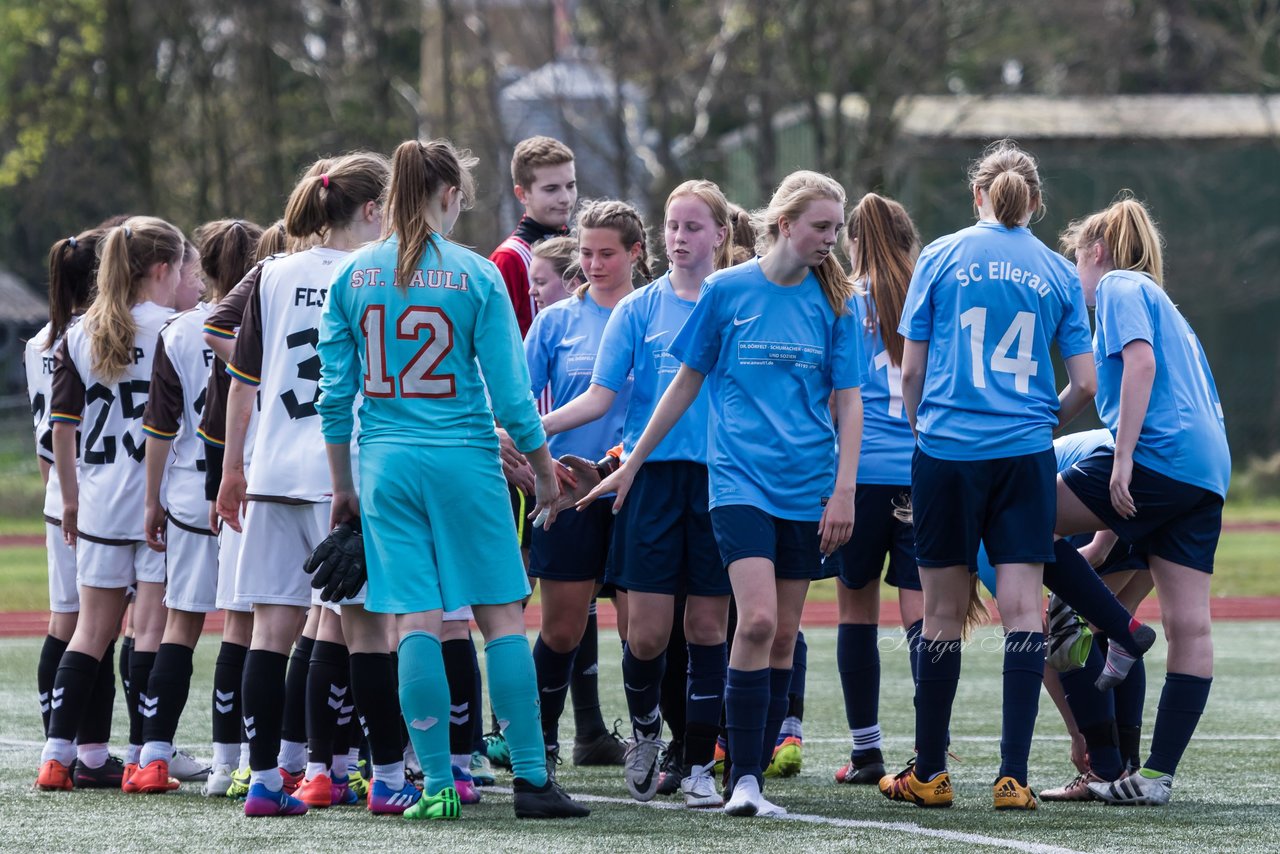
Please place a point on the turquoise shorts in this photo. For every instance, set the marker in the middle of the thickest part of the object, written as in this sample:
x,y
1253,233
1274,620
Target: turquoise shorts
x,y
438,530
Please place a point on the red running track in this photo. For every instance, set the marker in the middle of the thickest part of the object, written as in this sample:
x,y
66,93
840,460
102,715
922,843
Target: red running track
x,y
23,624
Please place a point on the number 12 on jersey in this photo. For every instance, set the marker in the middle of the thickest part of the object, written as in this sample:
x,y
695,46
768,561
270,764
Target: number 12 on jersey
x,y
418,378
1020,332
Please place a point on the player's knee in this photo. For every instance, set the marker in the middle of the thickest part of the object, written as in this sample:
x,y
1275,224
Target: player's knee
x,y
645,644
756,627
1188,631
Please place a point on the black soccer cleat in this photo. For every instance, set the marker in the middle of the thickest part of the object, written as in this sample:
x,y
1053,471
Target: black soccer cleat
x,y
108,775
604,749
545,801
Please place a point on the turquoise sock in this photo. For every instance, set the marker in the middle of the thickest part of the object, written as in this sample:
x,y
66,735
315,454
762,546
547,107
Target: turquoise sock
x,y
424,701
513,690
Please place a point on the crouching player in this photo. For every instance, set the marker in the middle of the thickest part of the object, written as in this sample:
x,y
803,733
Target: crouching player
x,y
412,320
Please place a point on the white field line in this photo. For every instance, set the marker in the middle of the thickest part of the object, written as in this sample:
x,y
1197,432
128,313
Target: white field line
x,y
851,824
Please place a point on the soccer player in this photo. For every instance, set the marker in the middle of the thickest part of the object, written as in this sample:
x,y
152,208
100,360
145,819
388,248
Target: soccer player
x,y
562,345
663,544
546,186
72,265
411,321
101,377
288,493
177,512
1163,486
777,339
882,243
983,308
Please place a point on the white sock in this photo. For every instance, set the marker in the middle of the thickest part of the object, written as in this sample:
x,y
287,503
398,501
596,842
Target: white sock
x,y
353,757
292,756
315,769
153,750
225,754
131,754
391,776
92,755
244,755
60,749
793,727
461,761
867,738
340,768
270,778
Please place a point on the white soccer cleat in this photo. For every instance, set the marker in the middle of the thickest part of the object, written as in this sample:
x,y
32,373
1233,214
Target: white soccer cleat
x,y
699,789
185,767
746,799
1135,790
218,782
642,772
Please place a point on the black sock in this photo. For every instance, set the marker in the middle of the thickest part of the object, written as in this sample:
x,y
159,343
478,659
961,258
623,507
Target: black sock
x,y
1130,738
554,671
1078,584
95,726
166,693
228,674
46,671
461,676
328,690
72,685
263,697
373,683
293,726
126,653
675,681
584,682
140,665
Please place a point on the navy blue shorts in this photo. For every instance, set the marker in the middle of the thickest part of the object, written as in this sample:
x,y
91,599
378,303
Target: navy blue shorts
x,y
1123,556
662,539
743,531
1009,504
877,533
1176,521
577,546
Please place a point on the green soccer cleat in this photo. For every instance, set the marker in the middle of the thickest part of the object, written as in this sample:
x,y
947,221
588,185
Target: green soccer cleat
x,y
787,758
443,806
495,747
239,788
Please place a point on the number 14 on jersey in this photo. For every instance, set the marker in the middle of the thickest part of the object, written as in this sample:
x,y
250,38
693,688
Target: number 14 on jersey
x,y
1019,334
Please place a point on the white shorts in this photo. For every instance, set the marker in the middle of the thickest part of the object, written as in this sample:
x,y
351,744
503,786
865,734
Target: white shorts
x,y
64,596
113,566
228,558
192,563
458,615
278,539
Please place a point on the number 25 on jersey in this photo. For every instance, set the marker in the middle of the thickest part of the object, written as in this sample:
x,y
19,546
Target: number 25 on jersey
x,y
418,378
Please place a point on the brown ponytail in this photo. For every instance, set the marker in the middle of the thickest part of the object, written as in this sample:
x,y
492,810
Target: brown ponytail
x,y
72,262
228,248
790,200
1011,179
624,220
128,254
742,233
883,255
333,191
420,171
274,241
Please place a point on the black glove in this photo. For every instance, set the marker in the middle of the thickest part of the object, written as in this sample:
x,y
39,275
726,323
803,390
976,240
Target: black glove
x,y
337,567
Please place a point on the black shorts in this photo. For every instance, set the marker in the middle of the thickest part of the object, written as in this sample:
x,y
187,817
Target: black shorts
x,y
662,538
1123,557
877,533
521,506
577,546
1176,521
1008,504
743,531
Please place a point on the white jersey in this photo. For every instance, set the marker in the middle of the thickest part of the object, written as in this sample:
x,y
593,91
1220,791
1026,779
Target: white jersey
x,y
37,358
174,407
276,352
112,475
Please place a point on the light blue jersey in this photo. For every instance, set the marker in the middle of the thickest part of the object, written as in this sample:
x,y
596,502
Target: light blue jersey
x,y
990,300
417,353
772,356
1183,435
887,441
561,350
637,339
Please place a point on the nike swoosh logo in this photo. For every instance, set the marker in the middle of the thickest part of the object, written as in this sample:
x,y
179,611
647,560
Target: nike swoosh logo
x,y
569,342
654,337
739,321
648,778
696,697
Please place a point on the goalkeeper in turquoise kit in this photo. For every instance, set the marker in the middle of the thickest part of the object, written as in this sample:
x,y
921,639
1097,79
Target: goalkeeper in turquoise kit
x,y
410,323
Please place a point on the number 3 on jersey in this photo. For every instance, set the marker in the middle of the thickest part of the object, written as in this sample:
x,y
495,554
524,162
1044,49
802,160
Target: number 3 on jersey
x,y
1020,332
418,378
